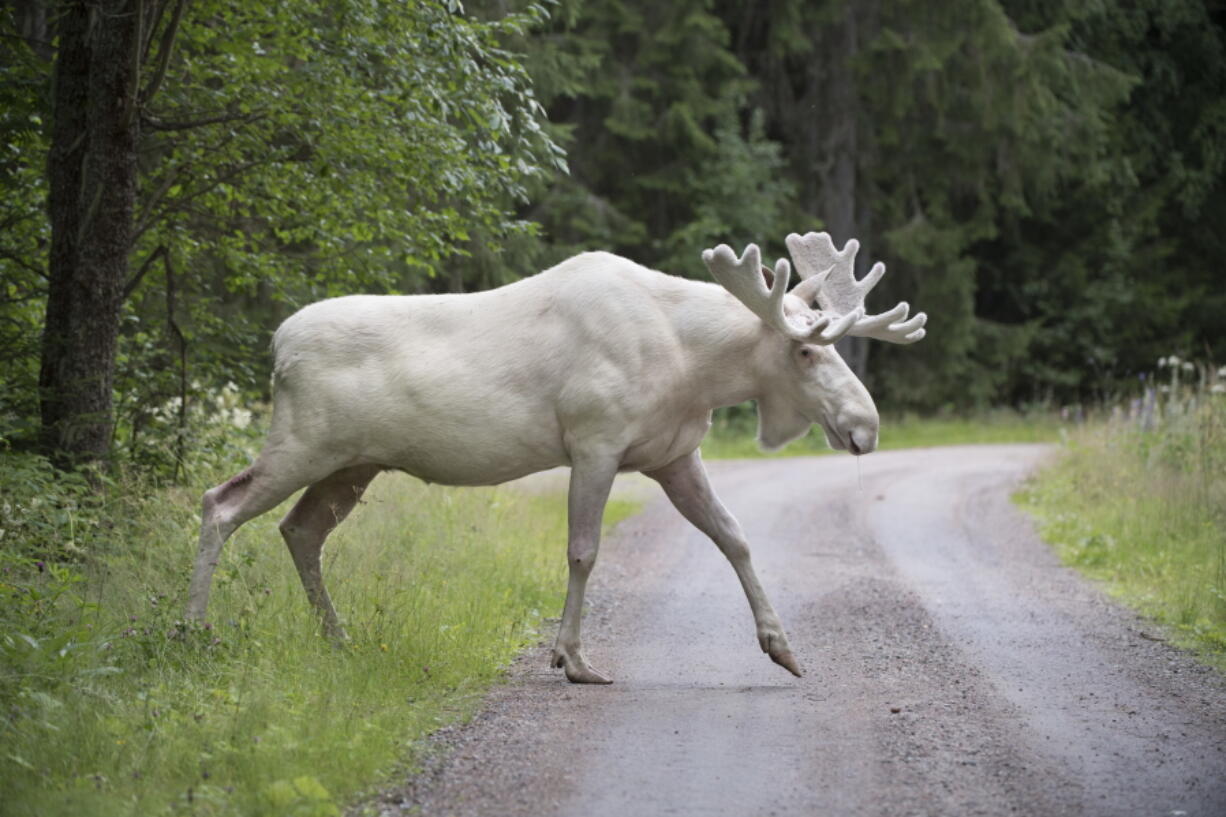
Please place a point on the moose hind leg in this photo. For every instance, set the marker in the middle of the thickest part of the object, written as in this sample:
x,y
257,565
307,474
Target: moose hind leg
x,y
224,509
305,528
281,469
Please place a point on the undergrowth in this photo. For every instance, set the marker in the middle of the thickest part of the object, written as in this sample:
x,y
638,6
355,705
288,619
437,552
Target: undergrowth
x,y
111,705
1140,504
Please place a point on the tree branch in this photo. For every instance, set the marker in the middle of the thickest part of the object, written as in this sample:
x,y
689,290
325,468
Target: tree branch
x,y
162,125
23,299
131,103
154,200
135,280
24,264
164,49
183,202
173,326
47,44
159,12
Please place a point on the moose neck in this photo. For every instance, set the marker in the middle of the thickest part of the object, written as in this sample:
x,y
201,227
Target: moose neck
x,y
730,348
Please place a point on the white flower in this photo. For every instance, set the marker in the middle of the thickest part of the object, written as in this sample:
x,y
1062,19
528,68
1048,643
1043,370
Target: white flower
x,y
1218,388
1172,361
1189,366
1221,372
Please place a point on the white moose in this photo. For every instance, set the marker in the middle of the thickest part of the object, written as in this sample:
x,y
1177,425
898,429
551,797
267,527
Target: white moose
x,y
597,363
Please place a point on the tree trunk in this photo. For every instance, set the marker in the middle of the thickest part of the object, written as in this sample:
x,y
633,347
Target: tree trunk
x,y
92,180
837,199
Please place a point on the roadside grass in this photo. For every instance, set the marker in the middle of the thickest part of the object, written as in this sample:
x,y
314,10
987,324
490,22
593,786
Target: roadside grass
x,y
732,434
1145,513
112,706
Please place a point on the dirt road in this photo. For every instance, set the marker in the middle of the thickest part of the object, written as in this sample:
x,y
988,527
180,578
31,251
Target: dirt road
x,y
952,667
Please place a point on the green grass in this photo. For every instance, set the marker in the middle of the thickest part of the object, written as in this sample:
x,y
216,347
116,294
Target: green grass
x,y
1145,513
113,707
732,435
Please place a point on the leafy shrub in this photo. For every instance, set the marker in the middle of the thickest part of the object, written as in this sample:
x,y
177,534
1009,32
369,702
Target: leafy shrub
x,y
45,513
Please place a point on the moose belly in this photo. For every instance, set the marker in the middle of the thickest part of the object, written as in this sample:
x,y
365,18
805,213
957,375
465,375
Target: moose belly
x,y
661,449
470,469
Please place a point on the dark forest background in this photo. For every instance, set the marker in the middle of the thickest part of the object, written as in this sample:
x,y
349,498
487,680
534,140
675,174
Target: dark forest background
x,y
1045,179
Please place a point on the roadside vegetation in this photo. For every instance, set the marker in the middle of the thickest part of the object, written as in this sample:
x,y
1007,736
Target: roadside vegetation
x,y
733,432
1138,501
112,705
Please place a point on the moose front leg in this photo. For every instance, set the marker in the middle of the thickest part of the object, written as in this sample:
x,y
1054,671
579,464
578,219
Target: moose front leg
x,y
686,484
590,481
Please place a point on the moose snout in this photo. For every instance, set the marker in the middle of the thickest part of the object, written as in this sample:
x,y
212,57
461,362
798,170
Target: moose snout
x,y
862,441
857,436
859,433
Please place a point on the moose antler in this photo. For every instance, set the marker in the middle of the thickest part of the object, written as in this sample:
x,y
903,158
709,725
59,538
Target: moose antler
x,y
746,278
829,276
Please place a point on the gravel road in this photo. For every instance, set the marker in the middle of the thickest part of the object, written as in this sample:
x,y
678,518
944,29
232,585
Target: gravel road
x,y
952,667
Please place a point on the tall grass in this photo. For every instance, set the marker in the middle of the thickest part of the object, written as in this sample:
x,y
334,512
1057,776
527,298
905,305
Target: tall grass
x,y
1139,502
112,706
733,433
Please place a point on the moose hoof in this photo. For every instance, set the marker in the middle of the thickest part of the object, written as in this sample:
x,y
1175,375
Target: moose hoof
x,y
336,635
786,660
776,646
577,670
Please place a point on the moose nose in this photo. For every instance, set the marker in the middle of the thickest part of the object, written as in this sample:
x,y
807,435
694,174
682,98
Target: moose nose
x,y
861,441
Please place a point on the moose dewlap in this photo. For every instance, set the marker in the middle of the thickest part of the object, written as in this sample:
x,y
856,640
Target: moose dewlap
x,y
598,363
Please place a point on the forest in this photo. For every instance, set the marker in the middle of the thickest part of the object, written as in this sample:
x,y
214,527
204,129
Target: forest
x,y
1043,178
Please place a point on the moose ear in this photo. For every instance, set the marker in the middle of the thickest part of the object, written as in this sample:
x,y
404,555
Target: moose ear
x,y
768,276
808,289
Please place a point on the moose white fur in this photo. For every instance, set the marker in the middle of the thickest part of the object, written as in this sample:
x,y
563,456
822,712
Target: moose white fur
x,y
598,363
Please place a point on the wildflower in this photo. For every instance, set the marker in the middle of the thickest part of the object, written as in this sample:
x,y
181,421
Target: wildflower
x,y
383,647
1189,366
1218,388
1172,361
1221,372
